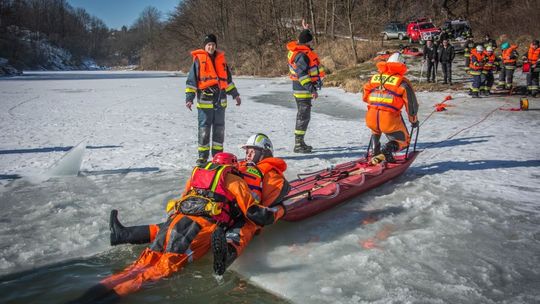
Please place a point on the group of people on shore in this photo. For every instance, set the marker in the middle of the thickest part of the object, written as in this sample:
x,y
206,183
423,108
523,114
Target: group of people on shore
x,y
482,62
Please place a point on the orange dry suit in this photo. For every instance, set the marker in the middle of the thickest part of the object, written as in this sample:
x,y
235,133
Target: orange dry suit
x,y
487,72
267,183
509,59
476,66
306,73
534,70
186,237
386,94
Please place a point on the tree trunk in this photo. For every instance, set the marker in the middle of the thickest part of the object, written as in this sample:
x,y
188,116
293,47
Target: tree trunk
x,y
333,22
349,8
312,15
326,17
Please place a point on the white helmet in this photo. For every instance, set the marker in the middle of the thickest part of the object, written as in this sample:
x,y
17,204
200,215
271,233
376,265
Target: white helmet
x,y
260,141
489,49
479,48
396,57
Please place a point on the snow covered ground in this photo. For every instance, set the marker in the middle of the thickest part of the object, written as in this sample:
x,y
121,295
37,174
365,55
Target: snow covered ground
x,y
460,226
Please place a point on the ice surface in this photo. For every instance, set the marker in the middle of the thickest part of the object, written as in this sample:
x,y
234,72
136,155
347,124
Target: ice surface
x,y
460,226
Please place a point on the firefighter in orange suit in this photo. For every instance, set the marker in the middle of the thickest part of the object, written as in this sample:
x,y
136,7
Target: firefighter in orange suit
x,y
215,196
487,71
508,59
476,66
306,73
386,94
532,57
263,174
210,80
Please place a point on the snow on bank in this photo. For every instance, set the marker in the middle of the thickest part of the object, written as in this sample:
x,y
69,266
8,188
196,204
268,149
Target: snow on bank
x,y
460,226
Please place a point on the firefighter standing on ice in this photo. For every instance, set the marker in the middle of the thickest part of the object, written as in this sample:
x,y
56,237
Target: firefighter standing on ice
x,y
508,66
534,69
476,66
210,80
386,94
306,73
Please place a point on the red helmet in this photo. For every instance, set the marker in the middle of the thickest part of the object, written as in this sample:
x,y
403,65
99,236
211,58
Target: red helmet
x,y
225,158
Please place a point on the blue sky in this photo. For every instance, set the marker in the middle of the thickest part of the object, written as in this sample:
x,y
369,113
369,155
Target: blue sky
x,y
116,13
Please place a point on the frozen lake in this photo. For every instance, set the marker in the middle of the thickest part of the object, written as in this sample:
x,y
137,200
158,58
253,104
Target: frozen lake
x,y
460,226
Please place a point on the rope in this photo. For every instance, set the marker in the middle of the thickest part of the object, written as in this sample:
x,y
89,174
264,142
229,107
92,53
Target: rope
x,y
461,130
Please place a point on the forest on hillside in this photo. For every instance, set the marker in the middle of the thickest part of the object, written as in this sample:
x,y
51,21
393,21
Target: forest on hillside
x,y
252,32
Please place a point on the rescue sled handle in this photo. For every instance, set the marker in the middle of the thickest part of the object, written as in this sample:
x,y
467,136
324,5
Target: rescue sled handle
x,y
415,140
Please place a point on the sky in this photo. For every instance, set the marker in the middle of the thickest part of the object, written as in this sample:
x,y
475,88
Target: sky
x,y
116,13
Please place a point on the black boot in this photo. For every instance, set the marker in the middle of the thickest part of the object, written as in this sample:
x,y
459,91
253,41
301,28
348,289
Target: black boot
x,y
125,235
300,146
224,253
389,149
203,158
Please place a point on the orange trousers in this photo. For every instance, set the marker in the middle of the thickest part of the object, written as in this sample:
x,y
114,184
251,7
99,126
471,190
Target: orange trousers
x,y
390,124
182,239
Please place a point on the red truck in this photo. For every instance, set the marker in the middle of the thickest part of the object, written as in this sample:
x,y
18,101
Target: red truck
x,y
421,30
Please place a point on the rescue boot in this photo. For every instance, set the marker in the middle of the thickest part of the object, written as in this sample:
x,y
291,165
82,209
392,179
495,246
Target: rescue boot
x,y
125,235
300,146
203,158
224,253
386,153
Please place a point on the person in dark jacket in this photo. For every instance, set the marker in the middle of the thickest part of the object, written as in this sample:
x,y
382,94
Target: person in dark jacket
x,y
210,80
445,55
430,56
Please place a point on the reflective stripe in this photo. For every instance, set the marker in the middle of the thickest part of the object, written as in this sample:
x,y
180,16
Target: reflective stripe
x,y
203,148
204,105
216,178
190,90
377,78
305,81
299,132
216,146
224,104
230,87
302,95
189,253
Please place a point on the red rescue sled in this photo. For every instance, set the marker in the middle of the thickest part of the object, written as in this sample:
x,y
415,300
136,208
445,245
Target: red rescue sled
x,y
329,187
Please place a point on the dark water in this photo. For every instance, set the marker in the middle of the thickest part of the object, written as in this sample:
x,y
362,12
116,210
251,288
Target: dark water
x,y
329,105
66,281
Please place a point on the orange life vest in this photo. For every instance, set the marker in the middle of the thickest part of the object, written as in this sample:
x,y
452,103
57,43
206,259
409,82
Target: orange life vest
x,y
209,182
316,70
506,55
211,73
254,174
384,89
476,65
489,62
533,54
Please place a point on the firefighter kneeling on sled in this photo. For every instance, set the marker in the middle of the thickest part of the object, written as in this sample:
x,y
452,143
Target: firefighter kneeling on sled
x,y
215,198
386,94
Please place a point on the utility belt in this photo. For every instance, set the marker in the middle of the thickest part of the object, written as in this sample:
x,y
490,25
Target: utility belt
x,y
200,202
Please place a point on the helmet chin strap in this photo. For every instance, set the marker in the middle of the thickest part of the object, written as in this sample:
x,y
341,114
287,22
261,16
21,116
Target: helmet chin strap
x,y
258,156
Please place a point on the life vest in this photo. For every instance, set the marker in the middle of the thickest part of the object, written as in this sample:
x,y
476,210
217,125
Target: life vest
x,y
476,65
208,195
316,70
211,73
507,55
533,54
384,89
253,174
489,62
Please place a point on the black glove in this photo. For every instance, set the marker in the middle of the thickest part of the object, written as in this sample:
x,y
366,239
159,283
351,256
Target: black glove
x,y
415,124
